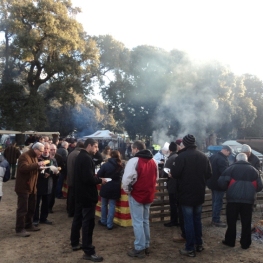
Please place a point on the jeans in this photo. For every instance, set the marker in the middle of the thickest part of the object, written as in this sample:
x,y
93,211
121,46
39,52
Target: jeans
x,y
83,217
140,222
217,203
107,220
193,226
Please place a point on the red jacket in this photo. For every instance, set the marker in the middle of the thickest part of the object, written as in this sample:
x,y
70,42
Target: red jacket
x,y
144,188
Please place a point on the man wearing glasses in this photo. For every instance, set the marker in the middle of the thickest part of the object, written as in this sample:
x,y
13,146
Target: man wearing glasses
x,y
25,188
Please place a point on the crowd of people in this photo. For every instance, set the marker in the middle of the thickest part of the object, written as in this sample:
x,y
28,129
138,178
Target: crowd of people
x,y
46,164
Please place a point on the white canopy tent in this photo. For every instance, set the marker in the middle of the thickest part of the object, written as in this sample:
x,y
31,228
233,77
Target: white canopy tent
x,y
102,135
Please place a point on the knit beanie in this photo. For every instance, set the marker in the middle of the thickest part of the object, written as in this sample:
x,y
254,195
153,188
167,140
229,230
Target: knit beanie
x,y
173,147
189,140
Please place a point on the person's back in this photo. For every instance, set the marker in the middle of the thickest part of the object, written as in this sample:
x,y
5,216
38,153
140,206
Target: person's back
x,y
139,179
194,169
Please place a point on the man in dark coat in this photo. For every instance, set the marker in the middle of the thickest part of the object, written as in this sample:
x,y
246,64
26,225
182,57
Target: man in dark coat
x,y
25,188
241,182
192,169
219,163
44,188
70,175
171,187
86,196
251,158
11,154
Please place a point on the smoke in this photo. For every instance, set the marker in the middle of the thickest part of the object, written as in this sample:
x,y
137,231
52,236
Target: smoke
x,y
190,102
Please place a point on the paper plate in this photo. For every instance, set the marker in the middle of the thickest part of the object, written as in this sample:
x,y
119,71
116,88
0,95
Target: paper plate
x,y
167,170
108,179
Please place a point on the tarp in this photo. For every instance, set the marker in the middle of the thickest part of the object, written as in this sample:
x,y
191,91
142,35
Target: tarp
x,y
28,132
102,135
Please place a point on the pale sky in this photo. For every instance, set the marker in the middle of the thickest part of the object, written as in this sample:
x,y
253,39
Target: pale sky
x,y
229,31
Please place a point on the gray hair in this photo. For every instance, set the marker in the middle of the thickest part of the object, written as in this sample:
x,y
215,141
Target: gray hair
x,y
64,144
245,148
241,157
37,145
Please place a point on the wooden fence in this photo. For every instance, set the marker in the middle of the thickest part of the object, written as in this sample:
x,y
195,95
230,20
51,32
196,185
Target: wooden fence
x,y
160,209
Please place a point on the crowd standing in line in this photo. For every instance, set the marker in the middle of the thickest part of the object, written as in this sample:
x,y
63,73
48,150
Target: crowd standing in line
x,y
190,172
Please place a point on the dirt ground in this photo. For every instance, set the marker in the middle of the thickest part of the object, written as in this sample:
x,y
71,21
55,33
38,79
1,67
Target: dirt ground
x,y
51,244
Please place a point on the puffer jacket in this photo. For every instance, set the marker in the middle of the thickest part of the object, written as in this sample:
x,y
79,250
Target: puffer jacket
x,y
242,181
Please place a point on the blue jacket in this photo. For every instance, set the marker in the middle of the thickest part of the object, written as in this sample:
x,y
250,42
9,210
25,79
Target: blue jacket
x,y
241,182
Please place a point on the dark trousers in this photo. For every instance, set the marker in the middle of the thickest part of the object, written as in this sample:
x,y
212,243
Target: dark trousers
x,y
181,220
70,201
13,168
61,178
26,204
52,196
232,212
85,218
43,209
173,208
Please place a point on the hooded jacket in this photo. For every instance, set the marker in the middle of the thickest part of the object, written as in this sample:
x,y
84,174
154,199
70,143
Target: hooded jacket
x,y
241,182
142,172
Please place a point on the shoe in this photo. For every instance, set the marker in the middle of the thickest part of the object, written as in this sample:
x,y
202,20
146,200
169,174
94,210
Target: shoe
x,y
70,215
170,224
50,211
35,223
147,251
199,248
77,247
101,224
23,233
189,253
47,222
94,257
110,228
225,243
32,228
179,240
136,253
218,224
13,178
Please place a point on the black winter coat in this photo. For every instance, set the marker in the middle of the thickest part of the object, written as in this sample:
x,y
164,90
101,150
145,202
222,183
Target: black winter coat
x,y
112,189
171,182
219,163
242,181
44,185
85,181
254,160
192,169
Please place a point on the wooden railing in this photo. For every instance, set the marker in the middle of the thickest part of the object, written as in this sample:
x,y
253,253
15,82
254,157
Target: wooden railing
x,y
160,209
